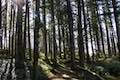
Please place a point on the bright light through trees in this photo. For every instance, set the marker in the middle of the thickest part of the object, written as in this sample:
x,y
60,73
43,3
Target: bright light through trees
x,y
19,2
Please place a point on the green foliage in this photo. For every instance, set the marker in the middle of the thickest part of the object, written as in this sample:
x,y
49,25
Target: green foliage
x,y
113,67
108,66
4,53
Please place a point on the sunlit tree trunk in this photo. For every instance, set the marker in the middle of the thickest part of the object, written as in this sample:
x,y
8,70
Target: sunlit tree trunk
x,y
59,34
63,39
107,32
11,18
59,23
85,29
91,34
13,37
28,30
95,26
100,26
5,25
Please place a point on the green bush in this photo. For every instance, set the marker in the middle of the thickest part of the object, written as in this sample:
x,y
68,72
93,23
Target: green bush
x,y
110,65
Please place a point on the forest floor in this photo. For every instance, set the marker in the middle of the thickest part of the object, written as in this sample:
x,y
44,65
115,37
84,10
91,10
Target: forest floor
x,y
9,73
44,72
63,74
58,72
63,71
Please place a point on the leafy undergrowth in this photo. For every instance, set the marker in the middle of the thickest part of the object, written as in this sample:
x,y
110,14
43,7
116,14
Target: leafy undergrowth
x,y
108,68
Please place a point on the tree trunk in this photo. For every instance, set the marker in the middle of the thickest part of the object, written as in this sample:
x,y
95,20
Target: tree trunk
x,y
1,24
80,37
70,24
29,38
19,58
36,37
54,34
117,24
85,29
45,32
101,31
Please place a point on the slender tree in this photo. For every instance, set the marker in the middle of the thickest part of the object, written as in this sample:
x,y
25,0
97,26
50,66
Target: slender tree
x,y
70,24
117,24
80,36
36,36
28,30
85,29
45,31
19,56
0,24
54,30
100,26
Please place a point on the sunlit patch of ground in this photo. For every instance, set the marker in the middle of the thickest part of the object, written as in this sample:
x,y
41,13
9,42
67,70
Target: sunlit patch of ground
x,y
57,74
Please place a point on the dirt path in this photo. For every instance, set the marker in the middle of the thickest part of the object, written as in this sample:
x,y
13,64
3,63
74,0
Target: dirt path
x,y
63,74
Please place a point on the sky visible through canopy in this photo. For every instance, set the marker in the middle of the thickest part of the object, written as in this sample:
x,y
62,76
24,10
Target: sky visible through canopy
x,y
19,2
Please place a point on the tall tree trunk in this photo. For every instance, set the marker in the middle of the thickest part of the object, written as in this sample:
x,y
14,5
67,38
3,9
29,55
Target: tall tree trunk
x,y
80,36
13,36
107,32
50,44
95,25
19,58
45,32
91,34
29,38
59,16
85,28
11,18
54,34
25,28
36,37
70,24
5,25
101,31
59,34
12,45
117,24
63,39
1,23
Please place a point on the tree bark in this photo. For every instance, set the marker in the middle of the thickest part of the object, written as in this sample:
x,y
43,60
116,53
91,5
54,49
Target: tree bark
x,y
70,24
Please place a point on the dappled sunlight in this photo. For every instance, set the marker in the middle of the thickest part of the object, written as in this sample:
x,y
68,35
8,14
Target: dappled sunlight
x,y
65,76
56,78
58,73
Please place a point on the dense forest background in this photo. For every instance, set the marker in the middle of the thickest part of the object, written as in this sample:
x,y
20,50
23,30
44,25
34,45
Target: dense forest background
x,y
59,39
